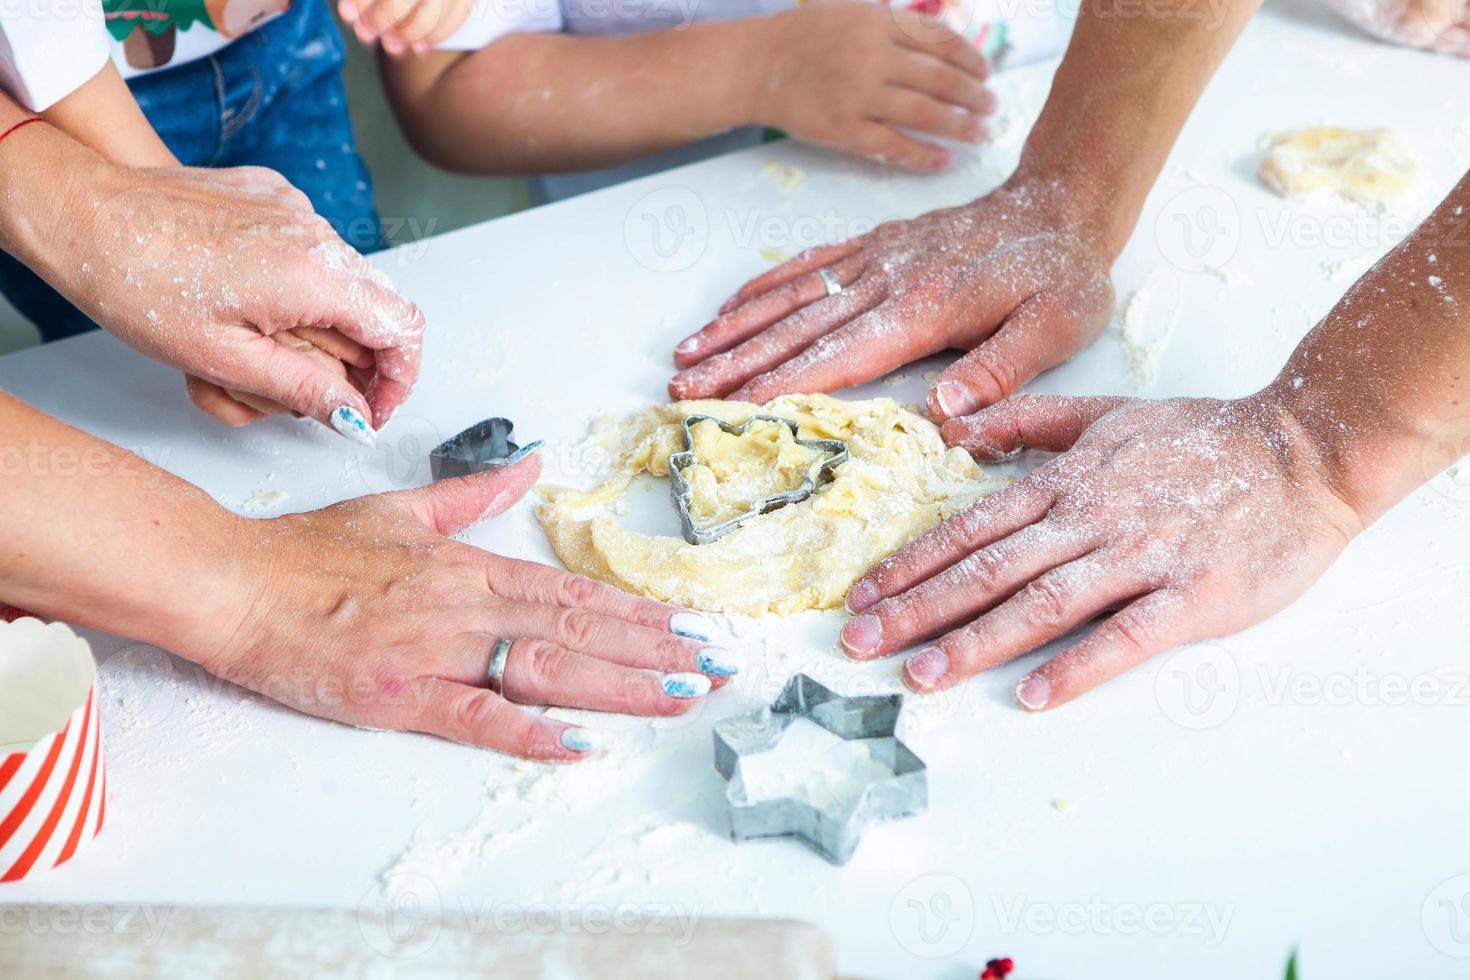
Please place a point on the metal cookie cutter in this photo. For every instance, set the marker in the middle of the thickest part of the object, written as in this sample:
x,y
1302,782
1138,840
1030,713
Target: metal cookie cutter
x,y
483,446
683,492
831,832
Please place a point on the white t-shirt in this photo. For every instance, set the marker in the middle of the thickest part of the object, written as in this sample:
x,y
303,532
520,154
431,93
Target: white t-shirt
x,y
50,48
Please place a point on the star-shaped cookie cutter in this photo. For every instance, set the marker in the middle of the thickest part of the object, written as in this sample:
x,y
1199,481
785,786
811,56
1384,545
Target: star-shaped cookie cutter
x,y
483,446
683,493
833,832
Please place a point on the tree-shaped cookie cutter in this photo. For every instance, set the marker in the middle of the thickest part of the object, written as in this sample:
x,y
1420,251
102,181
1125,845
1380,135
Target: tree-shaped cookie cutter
x,y
483,446
833,833
683,493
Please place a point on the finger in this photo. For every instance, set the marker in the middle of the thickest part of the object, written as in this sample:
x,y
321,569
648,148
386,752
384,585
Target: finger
x,y
302,384
941,80
264,406
213,400
426,17
960,592
865,348
377,17
923,113
1035,337
982,523
1130,636
542,673
349,11
771,347
329,343
361,300
607,638
1049,607
527,581
919,33
811,259
396,371
476,716
262,181
747,321
887,145
1051,423
449,506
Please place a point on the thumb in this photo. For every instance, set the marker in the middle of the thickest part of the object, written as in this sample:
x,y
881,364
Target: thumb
x,y
1036,336
449,506
1047,422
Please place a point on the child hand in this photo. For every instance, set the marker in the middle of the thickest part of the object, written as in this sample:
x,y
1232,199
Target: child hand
x,y
849,75
404,25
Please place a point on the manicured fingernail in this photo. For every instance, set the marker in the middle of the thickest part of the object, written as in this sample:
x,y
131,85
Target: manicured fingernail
x,y
955,399
578,739
686,685
718,662
687,347
349,422
861,596
927,667
692,626
1032,692
862,634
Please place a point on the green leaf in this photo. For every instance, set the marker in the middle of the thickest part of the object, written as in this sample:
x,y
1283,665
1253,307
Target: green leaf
x,y
1291,966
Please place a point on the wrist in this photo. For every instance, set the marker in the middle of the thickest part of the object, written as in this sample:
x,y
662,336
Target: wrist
x,y
759,44
42,172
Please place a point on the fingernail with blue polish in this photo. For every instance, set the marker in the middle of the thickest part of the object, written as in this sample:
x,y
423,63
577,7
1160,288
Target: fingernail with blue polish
x,y
578,739
349,422
686,685
718,662
692,626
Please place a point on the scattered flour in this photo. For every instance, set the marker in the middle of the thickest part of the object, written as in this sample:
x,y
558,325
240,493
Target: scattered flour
x,y
263,502
811,764
1145,324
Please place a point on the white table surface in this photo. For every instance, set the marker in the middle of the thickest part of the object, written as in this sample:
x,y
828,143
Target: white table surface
x,y
1208,835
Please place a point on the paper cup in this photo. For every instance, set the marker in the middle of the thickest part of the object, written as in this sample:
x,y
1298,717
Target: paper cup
x,y
52,785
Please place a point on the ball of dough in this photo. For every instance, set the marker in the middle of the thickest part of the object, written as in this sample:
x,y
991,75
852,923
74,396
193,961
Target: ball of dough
x,y
1371,167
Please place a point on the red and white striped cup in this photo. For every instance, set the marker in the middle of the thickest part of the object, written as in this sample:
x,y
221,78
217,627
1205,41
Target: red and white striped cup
x,y
53,787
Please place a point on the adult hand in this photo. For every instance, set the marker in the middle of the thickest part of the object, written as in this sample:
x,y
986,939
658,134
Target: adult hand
x,y
853,75
202,269
1197,517
1012,278
364,612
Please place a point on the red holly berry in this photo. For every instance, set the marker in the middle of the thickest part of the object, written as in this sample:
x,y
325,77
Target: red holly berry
x,y
998,969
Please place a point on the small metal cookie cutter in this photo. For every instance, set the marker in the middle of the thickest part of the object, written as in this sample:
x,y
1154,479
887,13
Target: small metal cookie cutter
x,y
483,446
683,493
834,834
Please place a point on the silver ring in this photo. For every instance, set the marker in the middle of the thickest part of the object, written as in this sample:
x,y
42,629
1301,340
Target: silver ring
x,y
830,280
498,656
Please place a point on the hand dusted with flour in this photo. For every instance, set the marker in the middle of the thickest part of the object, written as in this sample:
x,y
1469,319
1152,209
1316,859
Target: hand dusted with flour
x,y
899,481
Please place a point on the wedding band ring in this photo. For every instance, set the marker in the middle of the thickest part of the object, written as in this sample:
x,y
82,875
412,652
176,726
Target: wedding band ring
x,y
830,280
498,656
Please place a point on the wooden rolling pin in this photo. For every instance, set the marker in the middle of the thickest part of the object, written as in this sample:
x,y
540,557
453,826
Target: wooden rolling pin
x,y
58,942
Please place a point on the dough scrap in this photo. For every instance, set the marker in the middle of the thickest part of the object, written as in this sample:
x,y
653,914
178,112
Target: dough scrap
x,y
731,472
900,481
1371,167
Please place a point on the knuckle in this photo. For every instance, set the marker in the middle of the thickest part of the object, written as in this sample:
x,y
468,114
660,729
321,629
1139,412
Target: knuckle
x,y
996,369
575,591
547,662
1047,602
576,627
474,711
1134,632
982,571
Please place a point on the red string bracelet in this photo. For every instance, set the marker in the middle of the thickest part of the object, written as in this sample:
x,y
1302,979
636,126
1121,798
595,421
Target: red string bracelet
x,y
23,122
